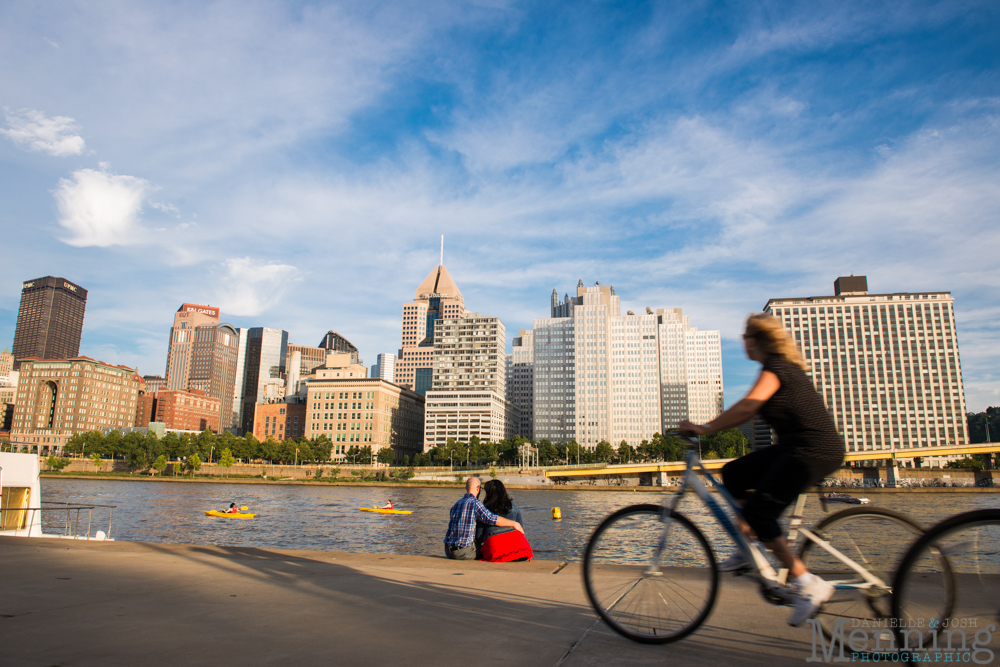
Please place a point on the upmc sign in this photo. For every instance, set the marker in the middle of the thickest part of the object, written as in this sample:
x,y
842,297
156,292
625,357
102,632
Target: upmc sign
x,y
195,308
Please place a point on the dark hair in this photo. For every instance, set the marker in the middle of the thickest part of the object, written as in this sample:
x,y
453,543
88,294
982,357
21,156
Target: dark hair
x,y
497,499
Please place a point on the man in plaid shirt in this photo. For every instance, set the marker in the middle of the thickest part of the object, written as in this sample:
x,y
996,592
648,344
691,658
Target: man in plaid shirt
x,y
459,541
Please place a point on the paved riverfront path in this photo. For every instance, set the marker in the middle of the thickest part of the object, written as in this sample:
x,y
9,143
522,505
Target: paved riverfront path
x,y
126,603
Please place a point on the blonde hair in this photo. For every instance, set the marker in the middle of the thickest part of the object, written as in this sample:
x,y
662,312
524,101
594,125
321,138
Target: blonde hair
x,y
773,338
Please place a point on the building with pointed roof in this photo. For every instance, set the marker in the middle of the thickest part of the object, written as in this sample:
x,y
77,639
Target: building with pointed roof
x,y
437,297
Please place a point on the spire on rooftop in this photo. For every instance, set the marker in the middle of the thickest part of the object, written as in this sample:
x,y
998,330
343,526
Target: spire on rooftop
x,y
439,282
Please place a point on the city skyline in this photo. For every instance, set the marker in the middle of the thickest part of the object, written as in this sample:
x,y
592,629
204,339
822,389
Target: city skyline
x,y
708,160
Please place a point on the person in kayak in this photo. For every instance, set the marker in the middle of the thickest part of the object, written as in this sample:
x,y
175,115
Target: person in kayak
x,y
233,509
387,506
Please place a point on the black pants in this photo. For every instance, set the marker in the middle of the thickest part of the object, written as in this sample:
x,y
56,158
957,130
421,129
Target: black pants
x,y
769,480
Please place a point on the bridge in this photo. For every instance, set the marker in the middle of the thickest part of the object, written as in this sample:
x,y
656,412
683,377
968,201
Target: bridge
x,y
600,470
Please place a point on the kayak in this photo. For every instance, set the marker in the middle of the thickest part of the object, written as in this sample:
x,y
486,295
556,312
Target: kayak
x,y
384,511
229,515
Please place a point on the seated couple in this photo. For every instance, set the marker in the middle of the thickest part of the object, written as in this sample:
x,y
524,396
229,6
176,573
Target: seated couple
x,y
493,529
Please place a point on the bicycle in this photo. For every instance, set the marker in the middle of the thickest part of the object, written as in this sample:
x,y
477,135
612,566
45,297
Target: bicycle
x,y
651,574
961,553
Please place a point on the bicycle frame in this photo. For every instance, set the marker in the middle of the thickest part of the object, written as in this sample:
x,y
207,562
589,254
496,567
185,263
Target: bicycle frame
x,y
771,581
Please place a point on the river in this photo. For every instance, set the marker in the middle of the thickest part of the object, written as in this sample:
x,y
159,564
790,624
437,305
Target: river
x,y
327,517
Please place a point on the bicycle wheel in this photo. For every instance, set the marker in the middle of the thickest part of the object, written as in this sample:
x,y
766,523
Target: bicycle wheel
x,y
949,581
650,608
872,537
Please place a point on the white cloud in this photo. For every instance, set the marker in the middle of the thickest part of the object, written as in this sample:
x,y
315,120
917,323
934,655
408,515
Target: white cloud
x,y
252,286
31,130
100,208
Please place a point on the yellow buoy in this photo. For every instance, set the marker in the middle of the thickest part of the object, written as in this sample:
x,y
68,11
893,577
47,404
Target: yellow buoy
x,y
556,513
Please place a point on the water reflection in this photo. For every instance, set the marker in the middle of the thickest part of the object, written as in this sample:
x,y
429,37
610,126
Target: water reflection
x,y
327,517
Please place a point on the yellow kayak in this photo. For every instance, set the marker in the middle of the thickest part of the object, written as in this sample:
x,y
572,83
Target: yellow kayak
x,y
384,511
229,515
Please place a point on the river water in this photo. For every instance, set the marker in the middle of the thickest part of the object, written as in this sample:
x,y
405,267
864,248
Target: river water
x,y
327,517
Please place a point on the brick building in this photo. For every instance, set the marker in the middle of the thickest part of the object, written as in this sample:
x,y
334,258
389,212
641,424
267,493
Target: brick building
x,y
58,398
279,421
187,410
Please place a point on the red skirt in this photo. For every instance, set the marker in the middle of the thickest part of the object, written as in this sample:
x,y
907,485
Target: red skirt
x,y
506,547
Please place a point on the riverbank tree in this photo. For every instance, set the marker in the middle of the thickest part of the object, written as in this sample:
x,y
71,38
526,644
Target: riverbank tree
x,y
140,451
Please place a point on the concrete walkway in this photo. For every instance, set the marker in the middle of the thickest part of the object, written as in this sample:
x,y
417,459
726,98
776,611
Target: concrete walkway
x,y
124,603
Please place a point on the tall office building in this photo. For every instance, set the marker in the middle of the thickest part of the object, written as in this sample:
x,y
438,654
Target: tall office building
x,y
690,370
50,319
187,318
600,375
886,364
264,361
468,397
521,381
436,298
334,342
384,367
203,355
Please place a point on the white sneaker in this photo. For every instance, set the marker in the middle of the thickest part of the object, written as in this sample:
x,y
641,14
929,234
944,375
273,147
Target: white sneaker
x,y
736,561
811,597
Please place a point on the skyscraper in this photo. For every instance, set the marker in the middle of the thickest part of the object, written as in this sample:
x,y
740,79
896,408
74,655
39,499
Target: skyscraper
x,y
887,364
187,318
264,361
599,375
468,397
203,355
50,320
384,367
521,380
437,297
334,342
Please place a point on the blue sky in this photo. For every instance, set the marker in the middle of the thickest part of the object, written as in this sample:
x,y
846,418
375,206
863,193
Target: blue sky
x,y
296,163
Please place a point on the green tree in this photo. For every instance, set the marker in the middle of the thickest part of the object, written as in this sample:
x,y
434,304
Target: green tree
x,y
386,455
57,463
205,444
967,462
97,460
160,464
112,444
75,444
624,452
366,455
226,459
731,440
192,462
604,452
575,452
475,454
173,447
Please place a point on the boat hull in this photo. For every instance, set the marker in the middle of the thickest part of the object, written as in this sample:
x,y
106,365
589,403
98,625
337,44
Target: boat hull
x,y
379,510
229,515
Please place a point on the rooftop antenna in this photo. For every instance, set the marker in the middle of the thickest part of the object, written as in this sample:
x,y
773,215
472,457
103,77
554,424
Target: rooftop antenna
x,y
442,250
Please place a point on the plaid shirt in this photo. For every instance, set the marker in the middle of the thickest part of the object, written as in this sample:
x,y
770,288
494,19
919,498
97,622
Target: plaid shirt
x,y
464,515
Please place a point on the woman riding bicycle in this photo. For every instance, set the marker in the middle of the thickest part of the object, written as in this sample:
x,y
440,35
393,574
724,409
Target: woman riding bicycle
x,y
809,448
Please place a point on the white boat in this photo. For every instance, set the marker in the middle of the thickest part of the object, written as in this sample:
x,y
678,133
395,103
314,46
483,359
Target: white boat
x,y
21,504
844,498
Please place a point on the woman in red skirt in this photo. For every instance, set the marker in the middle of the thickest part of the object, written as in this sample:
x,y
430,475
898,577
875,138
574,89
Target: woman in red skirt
x,y
498,544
